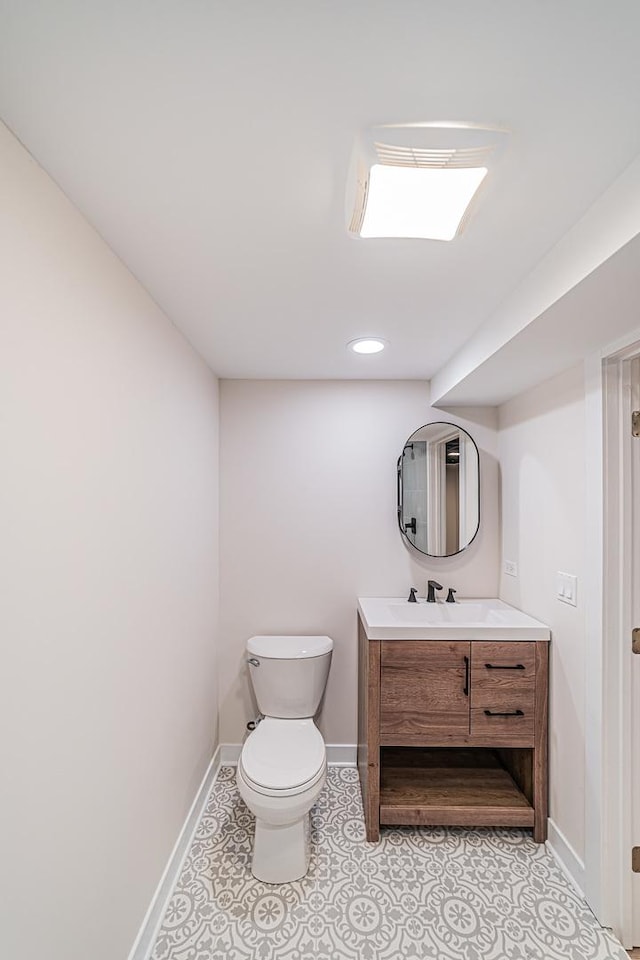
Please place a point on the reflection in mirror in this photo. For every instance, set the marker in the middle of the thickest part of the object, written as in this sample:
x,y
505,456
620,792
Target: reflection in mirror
x,y
439,489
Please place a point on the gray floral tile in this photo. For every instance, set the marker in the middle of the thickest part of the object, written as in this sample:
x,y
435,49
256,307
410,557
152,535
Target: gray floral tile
x,y
441,893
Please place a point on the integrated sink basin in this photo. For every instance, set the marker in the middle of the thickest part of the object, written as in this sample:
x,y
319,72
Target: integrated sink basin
x,y
393,618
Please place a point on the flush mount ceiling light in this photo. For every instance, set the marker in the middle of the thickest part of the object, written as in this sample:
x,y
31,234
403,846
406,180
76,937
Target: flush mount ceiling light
x,y
366,345
418,181
416,203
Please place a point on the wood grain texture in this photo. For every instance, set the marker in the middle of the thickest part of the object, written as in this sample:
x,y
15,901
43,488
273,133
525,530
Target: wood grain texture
x,y
369,730
426,752
363,711
540,756
373,827
456,787
499,688
451,816
422,689
469,740
519,763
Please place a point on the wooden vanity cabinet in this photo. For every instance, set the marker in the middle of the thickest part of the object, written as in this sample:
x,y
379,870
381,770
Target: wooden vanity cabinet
x,y
453,732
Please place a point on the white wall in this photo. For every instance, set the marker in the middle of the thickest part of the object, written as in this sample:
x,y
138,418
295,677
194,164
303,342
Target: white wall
x,y
542,462
108,567
308,523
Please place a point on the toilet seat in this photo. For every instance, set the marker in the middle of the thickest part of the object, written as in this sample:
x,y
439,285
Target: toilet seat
x,y
282,793
283,757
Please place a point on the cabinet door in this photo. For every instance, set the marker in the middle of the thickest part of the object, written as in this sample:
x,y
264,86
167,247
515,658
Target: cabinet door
x,y
424,690
503,677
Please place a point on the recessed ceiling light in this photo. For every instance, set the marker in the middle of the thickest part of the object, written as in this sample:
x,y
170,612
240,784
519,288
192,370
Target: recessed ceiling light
x,y
418,181
366,345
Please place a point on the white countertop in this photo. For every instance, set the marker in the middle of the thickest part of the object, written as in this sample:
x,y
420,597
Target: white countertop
x,y
394,618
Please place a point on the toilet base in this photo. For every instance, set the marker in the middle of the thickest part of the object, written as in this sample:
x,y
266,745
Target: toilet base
x,y
281,852
282,841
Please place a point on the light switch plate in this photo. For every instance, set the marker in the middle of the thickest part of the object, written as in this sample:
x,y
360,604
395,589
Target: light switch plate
x,y
567,588
511,568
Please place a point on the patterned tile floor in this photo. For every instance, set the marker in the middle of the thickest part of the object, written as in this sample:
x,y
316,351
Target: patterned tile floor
x,y
444,893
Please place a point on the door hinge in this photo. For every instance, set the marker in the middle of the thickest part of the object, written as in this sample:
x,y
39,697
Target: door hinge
x,y
635,640
635,423
635,859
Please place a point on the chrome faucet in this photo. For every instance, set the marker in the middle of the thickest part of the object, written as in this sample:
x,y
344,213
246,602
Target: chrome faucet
x,y
432,585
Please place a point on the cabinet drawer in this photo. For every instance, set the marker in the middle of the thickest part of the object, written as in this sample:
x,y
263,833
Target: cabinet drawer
x,y
424,692
503,680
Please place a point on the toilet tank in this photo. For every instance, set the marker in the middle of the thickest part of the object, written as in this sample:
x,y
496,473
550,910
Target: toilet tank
x,y
289,674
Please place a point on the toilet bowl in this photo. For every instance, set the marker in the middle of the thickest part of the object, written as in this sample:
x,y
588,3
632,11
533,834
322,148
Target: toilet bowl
x,y
282,767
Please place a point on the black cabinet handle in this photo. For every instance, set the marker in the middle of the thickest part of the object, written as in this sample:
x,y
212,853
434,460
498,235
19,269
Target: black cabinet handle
x,y
497,666
513,713
466,677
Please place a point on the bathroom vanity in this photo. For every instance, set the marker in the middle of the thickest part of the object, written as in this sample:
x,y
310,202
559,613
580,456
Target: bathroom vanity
x,y
452,718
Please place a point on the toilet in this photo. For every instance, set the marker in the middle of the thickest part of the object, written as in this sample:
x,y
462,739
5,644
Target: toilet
x,y
283,764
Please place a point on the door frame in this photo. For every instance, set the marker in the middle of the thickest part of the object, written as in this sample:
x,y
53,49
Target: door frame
x,y
436,453
608,728
633,525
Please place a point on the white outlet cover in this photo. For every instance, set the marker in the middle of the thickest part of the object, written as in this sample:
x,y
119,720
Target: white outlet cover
x,y
511,568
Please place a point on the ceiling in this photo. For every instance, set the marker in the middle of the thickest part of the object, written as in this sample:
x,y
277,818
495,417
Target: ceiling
x,y
209,143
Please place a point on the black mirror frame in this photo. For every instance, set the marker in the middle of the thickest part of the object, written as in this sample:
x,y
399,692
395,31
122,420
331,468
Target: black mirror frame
x,y
399,493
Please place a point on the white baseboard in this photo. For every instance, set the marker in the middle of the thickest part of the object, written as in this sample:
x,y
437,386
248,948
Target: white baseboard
x,y
229,754
565,856
143,945
338,754
342,754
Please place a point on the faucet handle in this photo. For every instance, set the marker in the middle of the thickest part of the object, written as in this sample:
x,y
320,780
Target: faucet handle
x,y
412,595
432,586
451,595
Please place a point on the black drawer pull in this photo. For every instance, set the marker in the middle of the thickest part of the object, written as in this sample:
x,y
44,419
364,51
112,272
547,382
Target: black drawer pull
x,y
466,677
497,666
513,713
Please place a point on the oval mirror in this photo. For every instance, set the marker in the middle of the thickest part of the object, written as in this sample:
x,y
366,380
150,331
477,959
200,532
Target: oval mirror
x,y
439,489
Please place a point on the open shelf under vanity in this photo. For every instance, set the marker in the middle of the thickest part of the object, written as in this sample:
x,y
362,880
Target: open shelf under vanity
x,y
455,786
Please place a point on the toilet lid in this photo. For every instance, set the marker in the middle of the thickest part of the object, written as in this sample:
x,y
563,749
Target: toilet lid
x,y
281,754
289,648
